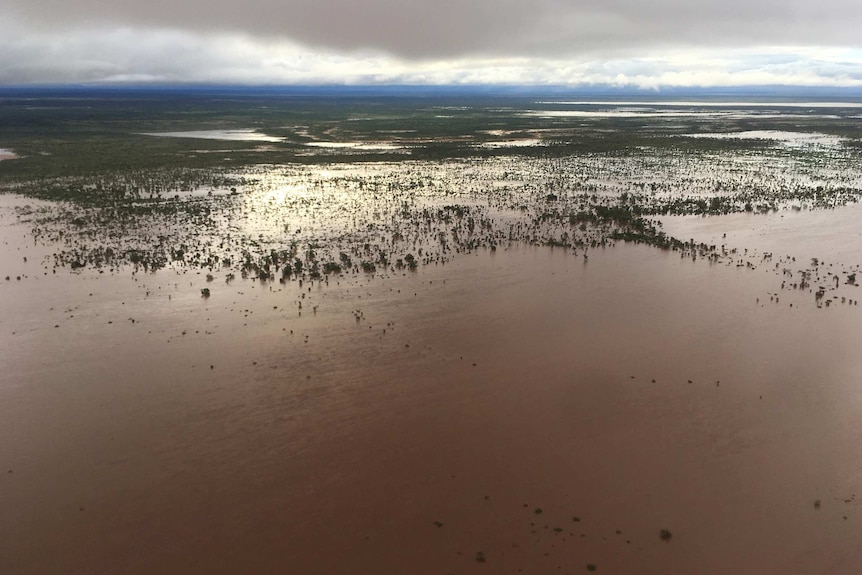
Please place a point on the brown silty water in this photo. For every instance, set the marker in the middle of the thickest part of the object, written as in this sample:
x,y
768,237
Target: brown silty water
x,y
524,411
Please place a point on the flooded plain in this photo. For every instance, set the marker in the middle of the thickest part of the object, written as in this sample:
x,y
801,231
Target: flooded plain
x,y
424,422
544,341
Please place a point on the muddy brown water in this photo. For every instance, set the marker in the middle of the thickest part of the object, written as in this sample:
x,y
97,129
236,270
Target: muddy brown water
x,y
240,434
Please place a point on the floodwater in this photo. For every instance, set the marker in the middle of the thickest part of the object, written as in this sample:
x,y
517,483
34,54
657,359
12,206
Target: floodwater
x,y
706,110
384,146
519,143
525,410
239,135
832,236
705,104
789,139
646,112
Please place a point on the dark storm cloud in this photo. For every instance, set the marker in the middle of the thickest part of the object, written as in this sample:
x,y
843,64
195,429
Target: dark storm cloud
x,y
447,28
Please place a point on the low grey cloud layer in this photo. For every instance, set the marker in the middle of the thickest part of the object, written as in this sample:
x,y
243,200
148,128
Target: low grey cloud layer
x,y
544,41
445,28
410,29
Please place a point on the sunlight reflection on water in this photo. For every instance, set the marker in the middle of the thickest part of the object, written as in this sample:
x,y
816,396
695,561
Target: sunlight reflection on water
x,y
242,135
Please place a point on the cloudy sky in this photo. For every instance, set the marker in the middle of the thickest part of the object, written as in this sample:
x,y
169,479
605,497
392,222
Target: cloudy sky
x,y
626,43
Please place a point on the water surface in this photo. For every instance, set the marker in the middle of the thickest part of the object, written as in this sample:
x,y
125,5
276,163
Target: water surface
x,y
147,429
239,135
